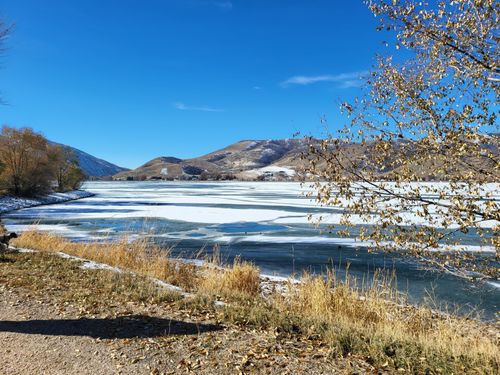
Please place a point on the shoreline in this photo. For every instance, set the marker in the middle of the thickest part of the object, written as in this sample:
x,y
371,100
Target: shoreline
x,y
269,284
236,295
9,203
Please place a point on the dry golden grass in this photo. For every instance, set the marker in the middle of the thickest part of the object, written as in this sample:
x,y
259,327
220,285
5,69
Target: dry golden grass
x,y
372,320
141,256
241,279
147,259
42,272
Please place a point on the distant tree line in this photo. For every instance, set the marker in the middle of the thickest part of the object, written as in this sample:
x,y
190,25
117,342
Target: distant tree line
x,y
30,165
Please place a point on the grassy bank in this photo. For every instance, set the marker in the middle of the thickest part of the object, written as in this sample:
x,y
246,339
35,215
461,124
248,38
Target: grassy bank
x,y
372,321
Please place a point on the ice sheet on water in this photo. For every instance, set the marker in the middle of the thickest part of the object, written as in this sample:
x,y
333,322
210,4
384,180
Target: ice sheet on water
x,y
340,241
230,202
10,203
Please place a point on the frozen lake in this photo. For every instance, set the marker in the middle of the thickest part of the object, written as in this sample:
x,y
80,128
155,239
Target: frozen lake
x,y
262,222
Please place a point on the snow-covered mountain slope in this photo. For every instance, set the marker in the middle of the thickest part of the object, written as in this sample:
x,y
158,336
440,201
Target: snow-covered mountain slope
x,y
92,166
233,161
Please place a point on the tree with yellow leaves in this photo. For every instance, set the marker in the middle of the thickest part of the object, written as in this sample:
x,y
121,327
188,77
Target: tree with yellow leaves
x,y
418,161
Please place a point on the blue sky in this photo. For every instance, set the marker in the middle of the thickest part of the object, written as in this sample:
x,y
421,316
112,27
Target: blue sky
x,y
131,80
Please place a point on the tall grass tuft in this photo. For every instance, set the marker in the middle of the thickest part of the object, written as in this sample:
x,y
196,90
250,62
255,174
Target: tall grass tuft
x,y
237,280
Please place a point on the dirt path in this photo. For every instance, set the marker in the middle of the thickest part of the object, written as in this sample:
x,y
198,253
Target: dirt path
x,y
23,351
56,318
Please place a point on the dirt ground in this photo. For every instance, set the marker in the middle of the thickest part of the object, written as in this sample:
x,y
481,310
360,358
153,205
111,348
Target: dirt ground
x,y
56,318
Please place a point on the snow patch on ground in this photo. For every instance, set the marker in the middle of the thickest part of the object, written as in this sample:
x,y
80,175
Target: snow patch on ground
x,y
22,250
276,169
90,265
171,287
9,203
271,169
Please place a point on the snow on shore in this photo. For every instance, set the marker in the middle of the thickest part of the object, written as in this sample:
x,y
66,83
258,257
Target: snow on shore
x,y
9,203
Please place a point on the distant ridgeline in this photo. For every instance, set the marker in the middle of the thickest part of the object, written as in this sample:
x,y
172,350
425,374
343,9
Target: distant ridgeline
x,y
93,167
244,160
267,160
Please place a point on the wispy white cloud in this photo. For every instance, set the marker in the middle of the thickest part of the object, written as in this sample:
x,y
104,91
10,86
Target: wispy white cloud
x,y
221,4
348,83
227,5
184,107
345,80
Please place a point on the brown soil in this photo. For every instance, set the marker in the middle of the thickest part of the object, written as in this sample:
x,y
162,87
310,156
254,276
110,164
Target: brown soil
x,y
56,318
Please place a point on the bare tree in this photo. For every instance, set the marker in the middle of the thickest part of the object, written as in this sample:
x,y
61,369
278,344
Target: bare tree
x,y
67,172
432,117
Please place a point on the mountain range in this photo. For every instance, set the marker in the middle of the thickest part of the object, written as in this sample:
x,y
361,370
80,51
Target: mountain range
x,y
244,160
276,160
93,167
280,160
